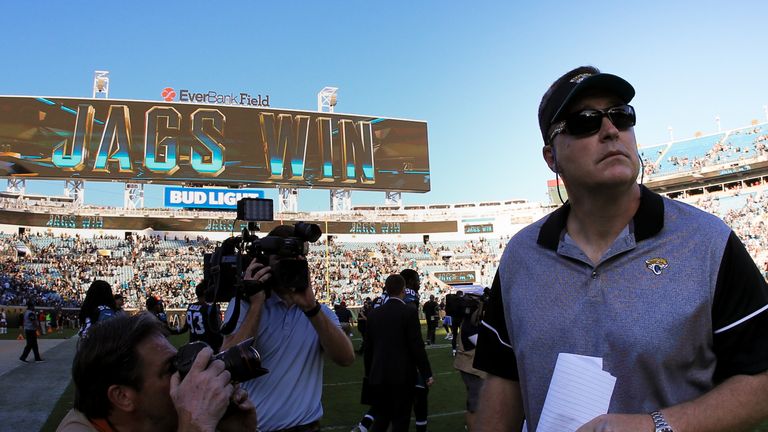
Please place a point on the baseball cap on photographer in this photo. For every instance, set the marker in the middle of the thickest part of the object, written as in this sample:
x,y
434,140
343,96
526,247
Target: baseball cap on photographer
x,y
573,84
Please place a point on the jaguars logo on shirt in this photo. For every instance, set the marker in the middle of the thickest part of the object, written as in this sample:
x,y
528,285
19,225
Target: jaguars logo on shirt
x,y
656,265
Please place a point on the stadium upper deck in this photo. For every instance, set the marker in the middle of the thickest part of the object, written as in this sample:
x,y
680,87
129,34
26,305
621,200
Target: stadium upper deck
x,y
704,161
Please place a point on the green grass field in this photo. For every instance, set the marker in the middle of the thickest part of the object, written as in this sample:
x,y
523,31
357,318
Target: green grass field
x,y
341,393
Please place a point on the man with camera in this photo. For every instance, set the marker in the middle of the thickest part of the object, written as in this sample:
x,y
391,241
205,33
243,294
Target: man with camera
x,y
126,380
292,330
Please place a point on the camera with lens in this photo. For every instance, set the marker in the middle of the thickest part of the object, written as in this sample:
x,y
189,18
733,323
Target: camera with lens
x,y
242,360
224,268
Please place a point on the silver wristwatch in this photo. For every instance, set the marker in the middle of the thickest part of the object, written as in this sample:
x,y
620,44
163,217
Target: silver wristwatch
x,y
659,423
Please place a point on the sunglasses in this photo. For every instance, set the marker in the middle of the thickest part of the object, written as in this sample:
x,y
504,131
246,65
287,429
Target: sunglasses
x,y
589,121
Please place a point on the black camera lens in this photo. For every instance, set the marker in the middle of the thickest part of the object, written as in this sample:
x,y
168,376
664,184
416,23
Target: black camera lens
x,y
307,232
242,360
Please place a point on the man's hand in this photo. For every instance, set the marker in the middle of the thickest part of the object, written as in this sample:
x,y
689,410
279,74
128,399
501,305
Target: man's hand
x,y
257,273
241,414
306,299
202,397
619,423
430,381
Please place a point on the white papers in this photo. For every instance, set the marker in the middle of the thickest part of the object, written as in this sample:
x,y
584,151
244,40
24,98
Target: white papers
x,y
579,391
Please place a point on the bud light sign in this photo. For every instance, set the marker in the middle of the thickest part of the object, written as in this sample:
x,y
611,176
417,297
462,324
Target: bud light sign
x,y
208,197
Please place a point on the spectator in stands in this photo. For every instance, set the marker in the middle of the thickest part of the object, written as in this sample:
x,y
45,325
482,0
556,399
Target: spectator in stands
x,y
292,331
98,305
31,328
125,380
664,295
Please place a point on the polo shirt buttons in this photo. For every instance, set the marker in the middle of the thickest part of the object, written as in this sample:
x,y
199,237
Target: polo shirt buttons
x,y
594,274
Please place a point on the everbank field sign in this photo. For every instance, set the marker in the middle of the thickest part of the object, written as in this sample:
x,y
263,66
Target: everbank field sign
x,y
169,94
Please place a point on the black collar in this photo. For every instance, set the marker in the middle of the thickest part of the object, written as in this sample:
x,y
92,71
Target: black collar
x,y
647,221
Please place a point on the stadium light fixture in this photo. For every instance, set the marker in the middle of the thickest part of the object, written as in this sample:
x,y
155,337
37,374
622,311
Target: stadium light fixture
x,y
327,99
101,84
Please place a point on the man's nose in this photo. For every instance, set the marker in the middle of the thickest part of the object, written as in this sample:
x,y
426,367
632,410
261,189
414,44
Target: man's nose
x,y
608,130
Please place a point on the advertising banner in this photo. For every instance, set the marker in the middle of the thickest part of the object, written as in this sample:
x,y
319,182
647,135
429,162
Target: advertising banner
x,y
188,143
209,198
201,223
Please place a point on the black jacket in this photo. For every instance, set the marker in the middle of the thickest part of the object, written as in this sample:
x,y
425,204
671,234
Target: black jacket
x,y
394,348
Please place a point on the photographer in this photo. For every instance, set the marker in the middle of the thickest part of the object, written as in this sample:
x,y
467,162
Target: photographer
x,y
125,380
292,330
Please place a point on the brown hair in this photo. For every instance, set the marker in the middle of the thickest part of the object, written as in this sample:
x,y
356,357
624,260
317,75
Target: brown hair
x,y
108,356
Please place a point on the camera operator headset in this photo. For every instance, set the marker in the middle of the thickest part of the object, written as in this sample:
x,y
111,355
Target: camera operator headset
x,y
291,329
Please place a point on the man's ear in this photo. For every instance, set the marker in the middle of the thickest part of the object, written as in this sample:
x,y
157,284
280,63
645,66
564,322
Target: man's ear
x,y
548,151
122,398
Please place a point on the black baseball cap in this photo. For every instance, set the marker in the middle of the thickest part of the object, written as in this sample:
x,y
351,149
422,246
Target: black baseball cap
x,y
573,84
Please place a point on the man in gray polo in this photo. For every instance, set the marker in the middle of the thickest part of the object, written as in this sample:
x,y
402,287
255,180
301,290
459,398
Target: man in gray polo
x,y
662,296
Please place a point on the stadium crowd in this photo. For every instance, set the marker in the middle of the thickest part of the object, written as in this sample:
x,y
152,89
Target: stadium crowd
x,y
739,144
54,271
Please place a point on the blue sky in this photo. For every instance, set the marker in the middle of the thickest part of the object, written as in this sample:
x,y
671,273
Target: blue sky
x,y
475,71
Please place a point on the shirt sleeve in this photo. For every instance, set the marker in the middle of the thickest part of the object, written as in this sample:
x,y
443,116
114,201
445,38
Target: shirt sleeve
x,y
739,314
494,353
244,306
